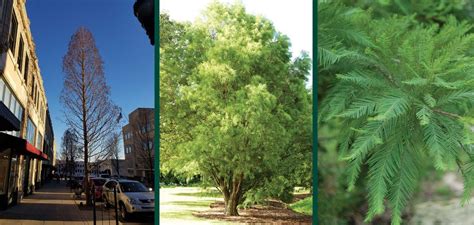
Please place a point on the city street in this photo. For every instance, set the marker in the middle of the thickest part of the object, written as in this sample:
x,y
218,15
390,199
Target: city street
x,y
53,204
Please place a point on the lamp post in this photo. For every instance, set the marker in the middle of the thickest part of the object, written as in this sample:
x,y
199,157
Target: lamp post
x,y
144,10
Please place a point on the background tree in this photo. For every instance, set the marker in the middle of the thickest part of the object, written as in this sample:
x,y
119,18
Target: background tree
x,y
111,152
232,100
85,97
70,151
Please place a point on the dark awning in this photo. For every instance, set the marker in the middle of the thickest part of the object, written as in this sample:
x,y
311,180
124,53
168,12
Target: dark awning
x,y
21,146
8,120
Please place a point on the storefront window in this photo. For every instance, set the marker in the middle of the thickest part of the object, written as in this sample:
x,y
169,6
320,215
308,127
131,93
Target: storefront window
x,y
13,179
31,174
4,163
21,172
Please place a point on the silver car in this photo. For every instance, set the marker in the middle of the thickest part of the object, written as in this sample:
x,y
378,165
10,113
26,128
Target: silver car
x,y
132,197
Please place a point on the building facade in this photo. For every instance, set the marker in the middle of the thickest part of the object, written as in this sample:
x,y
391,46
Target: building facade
x,y
23,108
76,169
48,149
115,167
138,139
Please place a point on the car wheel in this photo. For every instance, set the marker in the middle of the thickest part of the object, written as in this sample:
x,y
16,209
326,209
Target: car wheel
x,y
123,212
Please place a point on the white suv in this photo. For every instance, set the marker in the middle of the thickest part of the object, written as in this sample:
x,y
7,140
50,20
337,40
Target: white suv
x,y
132,197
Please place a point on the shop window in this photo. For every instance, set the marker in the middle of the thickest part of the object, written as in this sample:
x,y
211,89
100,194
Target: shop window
x,y
13,178
4,165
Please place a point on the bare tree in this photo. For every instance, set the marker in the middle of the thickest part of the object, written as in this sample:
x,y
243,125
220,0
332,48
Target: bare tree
x,y
70,151
111,152
88,108
143,143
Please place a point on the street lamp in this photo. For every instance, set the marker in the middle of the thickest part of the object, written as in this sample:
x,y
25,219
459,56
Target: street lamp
x,y
144,10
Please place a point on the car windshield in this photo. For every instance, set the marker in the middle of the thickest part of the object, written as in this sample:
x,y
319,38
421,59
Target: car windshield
x,y
99,182
133,187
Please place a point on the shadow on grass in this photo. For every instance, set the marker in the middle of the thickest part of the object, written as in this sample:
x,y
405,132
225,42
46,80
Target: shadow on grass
x,y
178,215
192,203
203,194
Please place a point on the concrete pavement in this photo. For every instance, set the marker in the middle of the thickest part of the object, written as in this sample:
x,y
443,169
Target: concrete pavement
x,y
53,204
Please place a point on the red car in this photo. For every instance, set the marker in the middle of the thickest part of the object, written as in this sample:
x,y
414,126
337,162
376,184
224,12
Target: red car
x,y
97,184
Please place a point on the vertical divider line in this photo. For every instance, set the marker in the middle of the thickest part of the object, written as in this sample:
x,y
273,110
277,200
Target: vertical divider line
x,y
157,111
315,112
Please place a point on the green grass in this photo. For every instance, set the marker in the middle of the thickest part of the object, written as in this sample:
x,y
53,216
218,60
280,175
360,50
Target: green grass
x,y
304,206
200,203
210,193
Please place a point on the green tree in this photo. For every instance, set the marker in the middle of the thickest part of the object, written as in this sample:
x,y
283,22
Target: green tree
x,y
408,101
234,105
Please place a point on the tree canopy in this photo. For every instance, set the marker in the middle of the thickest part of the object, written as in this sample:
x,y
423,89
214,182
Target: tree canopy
x,y
234,106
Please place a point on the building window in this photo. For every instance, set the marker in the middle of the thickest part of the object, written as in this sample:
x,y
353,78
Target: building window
x,y
20,55
2,89
13,31
30,131
9,100
39,141
32,86
27,65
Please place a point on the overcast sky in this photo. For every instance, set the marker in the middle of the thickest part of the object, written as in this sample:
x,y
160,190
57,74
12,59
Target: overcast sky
x,y
292,18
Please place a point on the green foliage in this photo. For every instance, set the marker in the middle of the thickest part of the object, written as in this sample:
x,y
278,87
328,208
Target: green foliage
x,y
234,104
304,206
425,11
404,102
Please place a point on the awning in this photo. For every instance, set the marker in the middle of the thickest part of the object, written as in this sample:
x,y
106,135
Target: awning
x,y
8,120
21,146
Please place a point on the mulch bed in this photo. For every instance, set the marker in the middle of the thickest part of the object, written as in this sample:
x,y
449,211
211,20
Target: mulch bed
x,y
273,212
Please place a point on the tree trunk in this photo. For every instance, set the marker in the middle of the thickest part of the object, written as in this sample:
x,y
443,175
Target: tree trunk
x,y
231,205
85,133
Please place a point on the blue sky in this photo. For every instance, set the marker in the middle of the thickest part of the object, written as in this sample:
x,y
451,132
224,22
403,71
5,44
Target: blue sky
x,y
122,42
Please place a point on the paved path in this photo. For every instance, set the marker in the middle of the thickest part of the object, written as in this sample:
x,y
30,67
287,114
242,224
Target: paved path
x,y
53,204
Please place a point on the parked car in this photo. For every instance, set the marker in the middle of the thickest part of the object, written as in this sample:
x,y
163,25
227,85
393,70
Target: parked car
x,y
97,185
132,197
105,175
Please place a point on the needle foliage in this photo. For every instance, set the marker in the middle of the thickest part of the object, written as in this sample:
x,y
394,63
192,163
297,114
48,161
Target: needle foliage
x,y
404,100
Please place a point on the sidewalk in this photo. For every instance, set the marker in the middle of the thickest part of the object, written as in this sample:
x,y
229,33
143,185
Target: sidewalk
x,y
51,205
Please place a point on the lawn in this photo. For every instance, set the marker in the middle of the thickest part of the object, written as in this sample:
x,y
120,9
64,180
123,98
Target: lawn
x,y
177,205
